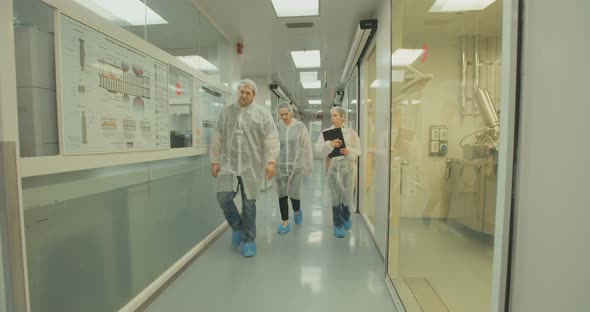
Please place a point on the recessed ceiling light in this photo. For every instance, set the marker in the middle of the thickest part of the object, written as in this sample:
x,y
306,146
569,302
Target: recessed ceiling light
x,y
459,5
306,59
405,57
315,102
124,12
199,63
312,85
289,8
308,76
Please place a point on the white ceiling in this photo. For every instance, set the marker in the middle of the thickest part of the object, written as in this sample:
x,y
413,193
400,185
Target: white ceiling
x,y
267,41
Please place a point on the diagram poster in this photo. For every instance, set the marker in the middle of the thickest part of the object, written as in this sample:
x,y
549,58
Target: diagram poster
x,y
210,104
114,97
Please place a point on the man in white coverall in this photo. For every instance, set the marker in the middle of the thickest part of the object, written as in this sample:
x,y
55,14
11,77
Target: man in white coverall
x,y
243,152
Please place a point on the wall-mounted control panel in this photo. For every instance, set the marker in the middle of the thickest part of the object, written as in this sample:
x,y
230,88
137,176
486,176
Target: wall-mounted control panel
x,y
439,141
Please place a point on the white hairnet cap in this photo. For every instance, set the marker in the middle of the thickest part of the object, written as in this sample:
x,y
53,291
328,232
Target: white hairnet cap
x,y
340,111
247,83
285,105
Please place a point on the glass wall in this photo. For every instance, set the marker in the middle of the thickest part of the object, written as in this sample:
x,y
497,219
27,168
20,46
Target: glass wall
x,y
189,33
103,235
352,99
369,67
274,103
180,104
445,99
179,29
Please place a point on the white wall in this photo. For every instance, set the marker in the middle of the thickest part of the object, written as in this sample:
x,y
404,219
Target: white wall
x,y
552,209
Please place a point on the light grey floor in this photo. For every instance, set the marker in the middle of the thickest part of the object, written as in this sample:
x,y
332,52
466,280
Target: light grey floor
x,y
457,265
307,269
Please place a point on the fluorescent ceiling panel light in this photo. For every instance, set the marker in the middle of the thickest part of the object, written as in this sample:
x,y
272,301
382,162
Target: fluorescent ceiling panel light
x,y
288,8
315,102
353,102
459,5
308,76
306,59
124,12
199,63
405,57
312,85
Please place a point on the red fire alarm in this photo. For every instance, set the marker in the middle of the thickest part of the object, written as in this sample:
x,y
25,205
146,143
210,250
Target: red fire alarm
x,y
240,48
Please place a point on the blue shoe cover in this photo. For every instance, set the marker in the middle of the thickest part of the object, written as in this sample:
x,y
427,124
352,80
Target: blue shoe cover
x,y
339,232
298,218
249,249
348,224
284,229
236,238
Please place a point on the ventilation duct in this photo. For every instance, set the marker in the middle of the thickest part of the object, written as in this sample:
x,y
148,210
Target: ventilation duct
x,y
364,33
278,91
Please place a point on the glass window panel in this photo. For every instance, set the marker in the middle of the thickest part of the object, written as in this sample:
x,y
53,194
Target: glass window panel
x,y
180,101
369,150
444,155
35,78
353,102
210,104
103,235
274,104
188,33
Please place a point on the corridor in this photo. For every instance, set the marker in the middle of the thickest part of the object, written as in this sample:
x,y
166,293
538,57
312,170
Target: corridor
x,y
308,269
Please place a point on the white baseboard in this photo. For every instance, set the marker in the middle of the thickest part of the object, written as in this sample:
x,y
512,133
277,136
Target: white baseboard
x,y
137,302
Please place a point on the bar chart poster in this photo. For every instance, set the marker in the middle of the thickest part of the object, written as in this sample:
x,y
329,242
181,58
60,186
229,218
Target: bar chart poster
x,y
114,98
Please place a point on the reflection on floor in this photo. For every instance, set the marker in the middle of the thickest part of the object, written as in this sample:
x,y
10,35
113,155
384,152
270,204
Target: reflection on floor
x,y
455,263
307,269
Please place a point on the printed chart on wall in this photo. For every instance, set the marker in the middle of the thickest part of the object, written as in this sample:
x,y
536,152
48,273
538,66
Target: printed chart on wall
x,y
211,104
114,97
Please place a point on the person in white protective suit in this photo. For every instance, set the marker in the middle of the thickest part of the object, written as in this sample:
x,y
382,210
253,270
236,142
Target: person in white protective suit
x,y
243,152
340,171
295,161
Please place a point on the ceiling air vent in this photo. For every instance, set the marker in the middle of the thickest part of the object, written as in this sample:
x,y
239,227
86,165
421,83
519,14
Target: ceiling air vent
x,y
300,25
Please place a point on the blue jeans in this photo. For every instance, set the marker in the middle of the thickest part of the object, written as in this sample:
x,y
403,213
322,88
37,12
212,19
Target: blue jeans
x,y
340,213
245,223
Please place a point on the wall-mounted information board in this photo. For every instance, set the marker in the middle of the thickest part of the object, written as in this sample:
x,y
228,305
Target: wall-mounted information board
x,y
113,97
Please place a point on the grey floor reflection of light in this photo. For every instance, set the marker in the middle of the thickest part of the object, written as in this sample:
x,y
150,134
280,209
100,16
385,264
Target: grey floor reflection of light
x,y
352,241
307,269
312,277
315,237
